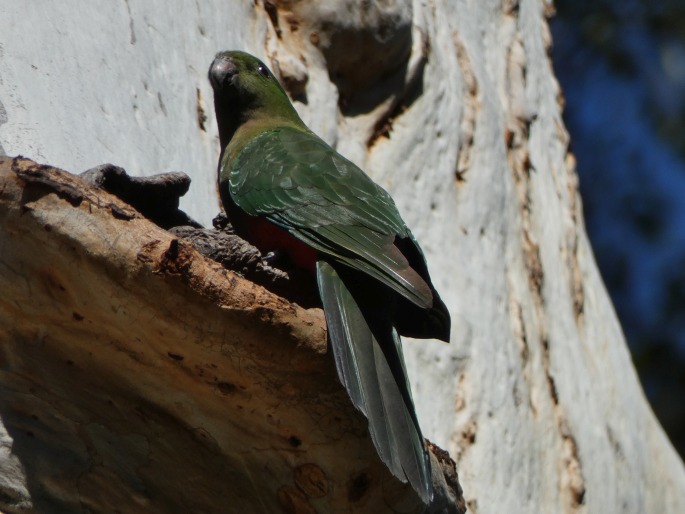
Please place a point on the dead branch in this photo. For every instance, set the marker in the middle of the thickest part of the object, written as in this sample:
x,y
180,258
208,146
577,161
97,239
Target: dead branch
x,y
138,374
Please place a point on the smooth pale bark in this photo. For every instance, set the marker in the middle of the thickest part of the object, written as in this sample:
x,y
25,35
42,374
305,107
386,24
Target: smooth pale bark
x,y
460,119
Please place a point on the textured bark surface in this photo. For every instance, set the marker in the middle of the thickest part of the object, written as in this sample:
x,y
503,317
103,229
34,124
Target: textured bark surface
x,y
453,107
136,373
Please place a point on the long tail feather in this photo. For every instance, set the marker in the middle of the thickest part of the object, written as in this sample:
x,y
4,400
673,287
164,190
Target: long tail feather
x,y
370,366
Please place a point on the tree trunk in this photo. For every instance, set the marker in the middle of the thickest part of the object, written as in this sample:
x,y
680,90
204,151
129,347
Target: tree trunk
x,y
453,107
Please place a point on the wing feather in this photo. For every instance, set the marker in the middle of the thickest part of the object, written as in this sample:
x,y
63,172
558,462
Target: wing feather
x,y
298,182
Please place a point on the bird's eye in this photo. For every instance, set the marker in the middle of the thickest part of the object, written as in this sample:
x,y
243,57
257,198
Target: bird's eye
x,y
263,71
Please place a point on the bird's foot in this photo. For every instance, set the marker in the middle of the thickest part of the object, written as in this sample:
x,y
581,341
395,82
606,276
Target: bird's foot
x,y
275,259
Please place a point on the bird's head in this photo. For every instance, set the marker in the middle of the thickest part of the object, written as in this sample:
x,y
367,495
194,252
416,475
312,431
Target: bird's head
x,y
243,78
245,89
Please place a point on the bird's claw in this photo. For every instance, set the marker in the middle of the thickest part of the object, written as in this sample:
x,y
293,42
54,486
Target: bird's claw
x,y
271,258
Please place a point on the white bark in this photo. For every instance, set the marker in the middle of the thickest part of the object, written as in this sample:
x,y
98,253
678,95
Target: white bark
x,y
536,397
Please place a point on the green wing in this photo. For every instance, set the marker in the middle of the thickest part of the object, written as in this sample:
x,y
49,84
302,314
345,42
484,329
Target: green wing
x,y
295,180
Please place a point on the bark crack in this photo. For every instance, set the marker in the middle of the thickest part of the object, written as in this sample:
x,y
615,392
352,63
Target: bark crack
x,y
470,109
517,136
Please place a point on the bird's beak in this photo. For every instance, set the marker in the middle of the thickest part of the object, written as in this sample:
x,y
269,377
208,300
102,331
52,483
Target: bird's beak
x,y
221,71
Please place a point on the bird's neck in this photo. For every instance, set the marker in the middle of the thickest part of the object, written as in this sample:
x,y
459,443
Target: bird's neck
x,y
237,133
264,113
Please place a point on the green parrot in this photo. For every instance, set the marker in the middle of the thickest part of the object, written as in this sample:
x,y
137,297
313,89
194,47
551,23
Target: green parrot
x,y
286,191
